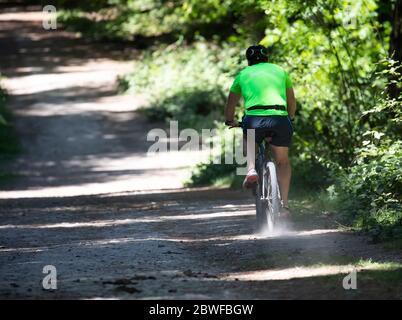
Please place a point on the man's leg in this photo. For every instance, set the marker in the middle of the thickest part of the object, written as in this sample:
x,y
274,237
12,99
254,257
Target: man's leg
x,y
281,156
249,148
252,176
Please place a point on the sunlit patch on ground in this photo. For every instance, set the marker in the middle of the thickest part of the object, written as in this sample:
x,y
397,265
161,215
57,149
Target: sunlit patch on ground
x,y
309,271
119,222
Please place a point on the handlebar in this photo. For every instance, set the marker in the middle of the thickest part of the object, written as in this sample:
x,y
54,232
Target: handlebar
x,y
239,125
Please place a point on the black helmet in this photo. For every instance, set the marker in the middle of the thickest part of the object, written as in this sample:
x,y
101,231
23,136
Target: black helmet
x,y
256,54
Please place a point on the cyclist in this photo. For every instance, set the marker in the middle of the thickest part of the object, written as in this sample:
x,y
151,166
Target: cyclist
x,y
270,106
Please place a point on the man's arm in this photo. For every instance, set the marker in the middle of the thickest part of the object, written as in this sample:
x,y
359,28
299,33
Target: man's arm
x,y
291,102
233,100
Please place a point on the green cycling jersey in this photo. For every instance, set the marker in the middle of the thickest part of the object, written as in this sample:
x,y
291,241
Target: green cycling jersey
x,y
263,84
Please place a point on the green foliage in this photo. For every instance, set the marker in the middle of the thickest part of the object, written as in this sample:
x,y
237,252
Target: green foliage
x,y
214,174
128,19
123,21
370,193
185,83
331,63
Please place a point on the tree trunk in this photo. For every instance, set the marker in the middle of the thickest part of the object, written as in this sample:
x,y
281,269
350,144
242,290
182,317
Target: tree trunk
x,y
395,47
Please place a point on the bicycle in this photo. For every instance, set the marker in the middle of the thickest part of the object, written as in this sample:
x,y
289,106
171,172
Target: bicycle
x,y
266,190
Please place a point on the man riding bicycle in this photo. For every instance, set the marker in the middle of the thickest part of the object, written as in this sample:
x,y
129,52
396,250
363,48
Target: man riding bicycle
x,y
270,107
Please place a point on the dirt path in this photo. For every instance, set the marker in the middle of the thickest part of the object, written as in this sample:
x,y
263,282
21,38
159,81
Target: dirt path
x,y
79,136
86,199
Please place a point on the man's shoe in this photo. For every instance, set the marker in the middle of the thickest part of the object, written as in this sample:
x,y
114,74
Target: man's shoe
x,y
251,178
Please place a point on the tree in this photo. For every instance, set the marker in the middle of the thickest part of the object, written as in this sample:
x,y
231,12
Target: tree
x,y
396,42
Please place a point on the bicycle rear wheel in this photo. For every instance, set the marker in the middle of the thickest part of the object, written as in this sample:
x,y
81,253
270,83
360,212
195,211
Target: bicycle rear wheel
x,y
273,196
260,203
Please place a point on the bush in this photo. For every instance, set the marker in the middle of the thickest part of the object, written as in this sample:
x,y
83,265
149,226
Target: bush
x,y
370,192
185,83
206,174
130,19
370,195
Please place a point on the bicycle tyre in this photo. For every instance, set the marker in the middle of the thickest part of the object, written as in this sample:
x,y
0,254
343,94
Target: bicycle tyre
x,y
260,205
273,205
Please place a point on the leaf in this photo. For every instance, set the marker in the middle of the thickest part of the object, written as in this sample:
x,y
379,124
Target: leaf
x,y
378,135
366,142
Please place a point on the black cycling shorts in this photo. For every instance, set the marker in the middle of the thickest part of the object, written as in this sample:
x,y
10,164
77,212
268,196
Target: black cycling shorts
x,y
278,127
